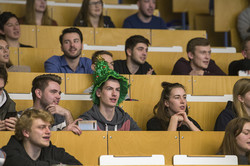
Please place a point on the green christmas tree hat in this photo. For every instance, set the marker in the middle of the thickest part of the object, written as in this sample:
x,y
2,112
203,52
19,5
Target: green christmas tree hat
x,y
102,74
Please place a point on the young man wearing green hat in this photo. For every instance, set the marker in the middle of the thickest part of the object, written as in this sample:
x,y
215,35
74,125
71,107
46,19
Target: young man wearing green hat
x,y
108,92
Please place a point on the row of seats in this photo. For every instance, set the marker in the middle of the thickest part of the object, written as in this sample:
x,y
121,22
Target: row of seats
x,y
63,18
162,62
89,146
73,83
48,36
205,113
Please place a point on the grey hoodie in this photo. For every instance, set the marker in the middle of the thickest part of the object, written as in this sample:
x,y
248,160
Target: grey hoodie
x,y
121,120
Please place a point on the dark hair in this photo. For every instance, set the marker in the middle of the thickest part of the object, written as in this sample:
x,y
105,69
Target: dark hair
x,y
95,54
132,41
41,82
233,129
244,43
70,30
4,17
198,41
82,18
160,110
3,73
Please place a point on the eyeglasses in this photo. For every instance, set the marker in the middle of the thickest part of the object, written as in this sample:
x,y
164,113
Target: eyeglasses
x,y
95,3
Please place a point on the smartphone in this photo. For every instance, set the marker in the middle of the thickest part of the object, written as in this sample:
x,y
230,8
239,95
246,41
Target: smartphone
x,y
87,124
10,114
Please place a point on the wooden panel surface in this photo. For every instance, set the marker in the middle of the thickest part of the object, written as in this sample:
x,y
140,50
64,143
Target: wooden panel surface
x,y
119,15
28,35
86,148
169,38
18,9
163,62
62,16
227,19
205,113
200,142
144,143
224,59
35,57
213,85
24,81
48,36
77,83
117,36
14,55
191,5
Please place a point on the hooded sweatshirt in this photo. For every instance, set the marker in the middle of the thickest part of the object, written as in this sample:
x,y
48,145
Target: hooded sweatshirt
x,y
120,122
16,155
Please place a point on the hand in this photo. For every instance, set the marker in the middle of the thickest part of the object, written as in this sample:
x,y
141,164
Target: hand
x,y
248,72
184,117
150,72
56,109
74,127
2,125
10,123
197,72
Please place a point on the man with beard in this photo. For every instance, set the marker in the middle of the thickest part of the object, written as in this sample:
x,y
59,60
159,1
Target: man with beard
x,y
136,49
46,94
71,62
144,18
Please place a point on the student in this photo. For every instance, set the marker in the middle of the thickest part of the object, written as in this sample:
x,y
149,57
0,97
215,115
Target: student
x,y
31,143
6,104
107,56
236,140
5,58
242,64
200,62
90,15
37,13
144,18
108,92
71,61
46,94
240,107
136,49
170,113
10,28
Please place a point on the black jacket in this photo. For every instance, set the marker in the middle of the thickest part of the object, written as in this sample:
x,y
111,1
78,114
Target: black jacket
x,y
225,116
16,155
8,106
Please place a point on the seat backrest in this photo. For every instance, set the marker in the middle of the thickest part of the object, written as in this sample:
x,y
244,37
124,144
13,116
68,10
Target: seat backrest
x,y
132,160
205,160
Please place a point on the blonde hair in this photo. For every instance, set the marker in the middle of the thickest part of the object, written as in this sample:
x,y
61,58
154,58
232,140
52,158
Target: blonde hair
x,y
27,118
241,87
30,15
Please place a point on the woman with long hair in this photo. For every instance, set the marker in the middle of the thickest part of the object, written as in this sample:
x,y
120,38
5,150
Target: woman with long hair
x,y
237,140
170,113
5,58
37,13
240,107
90,15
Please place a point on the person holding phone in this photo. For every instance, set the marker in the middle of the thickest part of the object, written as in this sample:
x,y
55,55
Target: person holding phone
x,y
7,106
